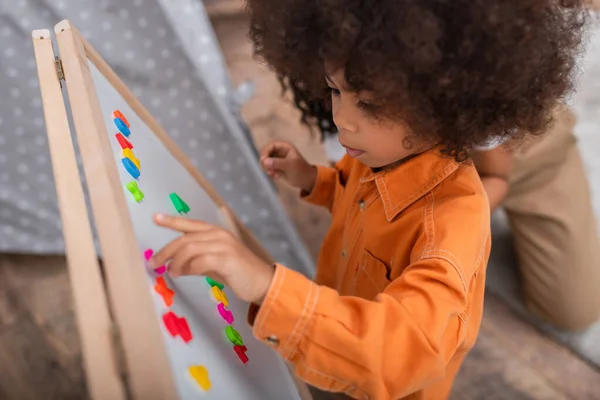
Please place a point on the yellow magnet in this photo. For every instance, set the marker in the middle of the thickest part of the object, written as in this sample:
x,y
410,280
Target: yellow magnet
x,y
127,153
200,375
219,295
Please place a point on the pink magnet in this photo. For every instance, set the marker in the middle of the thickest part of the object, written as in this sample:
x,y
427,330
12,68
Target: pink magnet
x,y
225,313
148,254
161,270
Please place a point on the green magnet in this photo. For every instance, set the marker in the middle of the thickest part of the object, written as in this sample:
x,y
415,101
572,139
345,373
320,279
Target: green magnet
x,y
212,282
179,204
234,336
133,187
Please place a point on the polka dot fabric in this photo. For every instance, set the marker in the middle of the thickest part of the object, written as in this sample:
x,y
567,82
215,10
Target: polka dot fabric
x,y
137,39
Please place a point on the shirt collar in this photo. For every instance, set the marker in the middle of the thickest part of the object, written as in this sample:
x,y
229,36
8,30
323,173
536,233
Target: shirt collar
x,y
403,185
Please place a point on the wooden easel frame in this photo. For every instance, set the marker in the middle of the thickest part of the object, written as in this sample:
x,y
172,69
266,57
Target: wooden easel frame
x,y
145,373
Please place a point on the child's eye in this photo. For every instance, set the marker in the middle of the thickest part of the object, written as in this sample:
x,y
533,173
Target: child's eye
x,y
333,91
370,107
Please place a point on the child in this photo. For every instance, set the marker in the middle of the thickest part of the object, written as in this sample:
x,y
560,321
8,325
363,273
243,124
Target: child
x,y
398,296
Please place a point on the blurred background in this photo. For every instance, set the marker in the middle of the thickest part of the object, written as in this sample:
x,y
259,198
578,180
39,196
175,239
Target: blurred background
x,y
191,64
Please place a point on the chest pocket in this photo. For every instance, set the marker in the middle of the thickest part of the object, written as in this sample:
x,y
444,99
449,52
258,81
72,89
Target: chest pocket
x,y
372,276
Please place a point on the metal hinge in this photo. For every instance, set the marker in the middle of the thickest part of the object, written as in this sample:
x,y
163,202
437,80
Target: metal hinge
x,y
59,70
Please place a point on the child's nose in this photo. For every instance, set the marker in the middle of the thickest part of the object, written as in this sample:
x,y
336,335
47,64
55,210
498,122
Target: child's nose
x,y
344,116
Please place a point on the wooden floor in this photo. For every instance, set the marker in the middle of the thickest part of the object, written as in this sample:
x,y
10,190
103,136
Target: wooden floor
x,y
40,355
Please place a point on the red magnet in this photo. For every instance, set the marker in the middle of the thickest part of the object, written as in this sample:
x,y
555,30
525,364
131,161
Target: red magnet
x,y
125,144
170,321
177,326
119,114
165,292
184,330
241,353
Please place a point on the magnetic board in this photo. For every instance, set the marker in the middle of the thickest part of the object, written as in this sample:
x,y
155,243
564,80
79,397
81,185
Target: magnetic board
x,y
160,337
264,376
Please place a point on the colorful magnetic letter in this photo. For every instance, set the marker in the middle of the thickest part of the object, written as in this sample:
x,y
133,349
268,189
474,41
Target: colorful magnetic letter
x,y
179,204
233,336
225,313
171,323
164,291
200,375
241,353
122,127
160,270
219,295
212,282
131,168
177,326
129,154
133,187
124,143
148,254
184,330
118,114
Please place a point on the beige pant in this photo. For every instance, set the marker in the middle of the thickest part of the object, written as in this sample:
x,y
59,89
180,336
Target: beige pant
x,y
554,229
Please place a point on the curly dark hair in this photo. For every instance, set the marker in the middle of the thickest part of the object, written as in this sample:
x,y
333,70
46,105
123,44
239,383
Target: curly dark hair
x,y
460,72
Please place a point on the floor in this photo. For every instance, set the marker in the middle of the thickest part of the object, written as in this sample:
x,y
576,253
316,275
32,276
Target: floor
x,y
40,354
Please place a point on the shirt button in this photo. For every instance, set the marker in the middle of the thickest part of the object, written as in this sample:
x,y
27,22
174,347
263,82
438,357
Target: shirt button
x,y
272,340
344,253
361,204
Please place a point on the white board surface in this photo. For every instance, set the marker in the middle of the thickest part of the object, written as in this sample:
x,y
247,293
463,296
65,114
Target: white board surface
x,y
265,376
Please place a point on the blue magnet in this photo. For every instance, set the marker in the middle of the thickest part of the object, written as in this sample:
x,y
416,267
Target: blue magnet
x,y
122,126
130,167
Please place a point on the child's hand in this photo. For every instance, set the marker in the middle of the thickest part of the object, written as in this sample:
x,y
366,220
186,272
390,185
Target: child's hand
x,y
282,160
205,249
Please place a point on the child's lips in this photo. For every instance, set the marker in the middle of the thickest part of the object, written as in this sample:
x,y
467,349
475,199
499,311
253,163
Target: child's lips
x,y
353,152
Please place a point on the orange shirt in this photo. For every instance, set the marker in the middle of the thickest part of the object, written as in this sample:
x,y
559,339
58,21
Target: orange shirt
x,y
398,296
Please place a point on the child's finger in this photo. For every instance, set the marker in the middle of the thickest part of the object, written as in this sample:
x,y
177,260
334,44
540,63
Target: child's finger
x,y
186,243
172,248
197,258
181,224
181,263
276,164
276,149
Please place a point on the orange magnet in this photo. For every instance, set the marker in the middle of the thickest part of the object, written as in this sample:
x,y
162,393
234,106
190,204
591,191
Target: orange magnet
x,y
119,114
165,292
128,153
219,295
200,375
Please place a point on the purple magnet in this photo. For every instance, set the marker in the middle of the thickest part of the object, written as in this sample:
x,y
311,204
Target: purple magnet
x,y
225,313
161,270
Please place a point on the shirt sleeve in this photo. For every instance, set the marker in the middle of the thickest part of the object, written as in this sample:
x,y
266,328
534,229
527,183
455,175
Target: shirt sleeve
x,y
387,348
324,191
